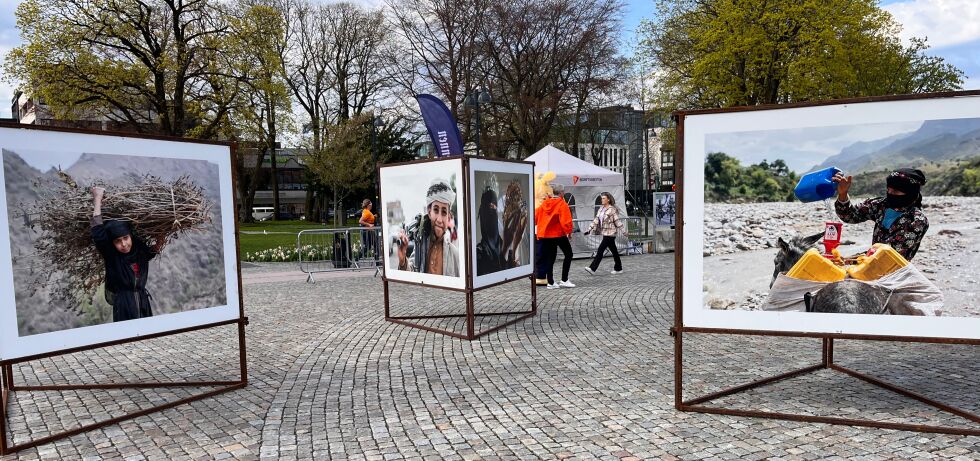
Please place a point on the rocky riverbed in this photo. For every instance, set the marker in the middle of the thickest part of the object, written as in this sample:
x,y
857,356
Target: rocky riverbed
x,y
740,244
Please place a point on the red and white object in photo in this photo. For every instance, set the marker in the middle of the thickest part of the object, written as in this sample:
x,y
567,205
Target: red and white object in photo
x,y
831,236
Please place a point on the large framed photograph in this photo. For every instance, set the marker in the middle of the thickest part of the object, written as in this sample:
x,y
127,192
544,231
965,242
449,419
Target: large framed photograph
x,y
502,203
423,223
769,247
106,238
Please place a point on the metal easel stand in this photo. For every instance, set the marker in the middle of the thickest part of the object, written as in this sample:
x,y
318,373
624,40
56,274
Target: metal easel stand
x,y
9,388
697,404
470,314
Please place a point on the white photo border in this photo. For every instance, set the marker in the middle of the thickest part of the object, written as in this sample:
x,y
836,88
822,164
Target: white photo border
x,y
493,166
697,126
12,345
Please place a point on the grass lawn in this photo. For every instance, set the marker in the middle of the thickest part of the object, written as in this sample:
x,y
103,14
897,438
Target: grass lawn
x,y
280,233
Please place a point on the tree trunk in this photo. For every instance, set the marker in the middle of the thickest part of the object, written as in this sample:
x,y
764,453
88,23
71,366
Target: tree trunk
x,y
253,183
272,150
308,203
336,210
244,183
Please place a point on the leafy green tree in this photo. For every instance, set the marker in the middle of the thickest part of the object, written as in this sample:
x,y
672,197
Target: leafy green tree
x,y
343,162
723,53
253,47
727,180
147,64
721,175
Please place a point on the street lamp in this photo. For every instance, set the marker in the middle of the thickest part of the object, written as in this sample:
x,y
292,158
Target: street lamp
x,y
376,124
475,99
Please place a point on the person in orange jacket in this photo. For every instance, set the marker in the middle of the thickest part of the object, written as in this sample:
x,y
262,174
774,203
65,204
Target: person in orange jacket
x,y
553,221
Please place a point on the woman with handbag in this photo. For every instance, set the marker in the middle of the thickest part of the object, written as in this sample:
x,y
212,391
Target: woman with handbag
x,y
607,224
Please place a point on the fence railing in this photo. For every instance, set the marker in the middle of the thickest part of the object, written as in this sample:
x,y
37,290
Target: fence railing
x,y
585,245
347,249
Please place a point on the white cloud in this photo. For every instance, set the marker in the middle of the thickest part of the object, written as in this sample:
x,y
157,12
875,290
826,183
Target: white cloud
x,y
944,22
972,83
6,89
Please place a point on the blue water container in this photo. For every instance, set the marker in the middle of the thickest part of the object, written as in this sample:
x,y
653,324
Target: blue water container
x,y
817,186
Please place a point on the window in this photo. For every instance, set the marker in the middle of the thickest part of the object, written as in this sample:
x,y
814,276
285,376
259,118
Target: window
x,y
667,176
667,159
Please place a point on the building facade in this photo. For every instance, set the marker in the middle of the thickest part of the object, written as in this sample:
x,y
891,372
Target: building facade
x,y
31,110
630,142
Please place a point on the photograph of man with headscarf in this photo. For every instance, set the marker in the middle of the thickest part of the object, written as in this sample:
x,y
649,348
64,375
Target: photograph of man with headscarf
x,y
502,223
434,252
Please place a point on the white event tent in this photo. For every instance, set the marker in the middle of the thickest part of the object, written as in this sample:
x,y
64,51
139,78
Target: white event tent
x,y
583,183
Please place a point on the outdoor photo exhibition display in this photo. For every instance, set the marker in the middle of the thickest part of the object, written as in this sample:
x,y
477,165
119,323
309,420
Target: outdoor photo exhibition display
x,y
458,223
67,281
762,266
422,206
502,200
666,208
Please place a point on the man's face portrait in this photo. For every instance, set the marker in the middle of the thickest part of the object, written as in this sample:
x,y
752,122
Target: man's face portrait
x,y
439,216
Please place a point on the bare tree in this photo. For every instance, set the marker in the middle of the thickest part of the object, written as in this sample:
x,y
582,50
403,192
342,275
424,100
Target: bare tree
x,y
359,53
442,37
536,52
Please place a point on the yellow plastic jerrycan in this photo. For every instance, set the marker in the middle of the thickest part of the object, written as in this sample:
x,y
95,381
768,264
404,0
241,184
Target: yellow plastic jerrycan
x,y
814,267
884,261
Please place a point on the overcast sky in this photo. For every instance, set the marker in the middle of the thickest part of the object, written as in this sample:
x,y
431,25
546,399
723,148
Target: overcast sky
x,y
952,27
800,148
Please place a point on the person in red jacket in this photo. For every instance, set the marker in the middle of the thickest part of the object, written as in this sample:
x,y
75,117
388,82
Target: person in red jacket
x,y
553,221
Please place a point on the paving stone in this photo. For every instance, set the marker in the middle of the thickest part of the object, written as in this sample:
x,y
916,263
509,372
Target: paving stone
x,y
589,377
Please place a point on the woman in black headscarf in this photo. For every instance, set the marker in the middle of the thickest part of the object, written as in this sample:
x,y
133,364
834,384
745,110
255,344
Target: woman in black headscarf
x,y
489,252
127,264
898,217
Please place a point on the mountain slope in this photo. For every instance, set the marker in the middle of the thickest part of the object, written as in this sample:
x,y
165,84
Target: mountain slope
x,y
934,141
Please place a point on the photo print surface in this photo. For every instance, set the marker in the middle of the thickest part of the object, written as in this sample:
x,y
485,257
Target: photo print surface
x,y
887,261
108,238
503,212
423,223
666,208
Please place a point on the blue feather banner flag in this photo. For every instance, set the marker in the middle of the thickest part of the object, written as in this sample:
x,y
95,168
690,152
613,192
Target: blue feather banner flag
x,y
441,126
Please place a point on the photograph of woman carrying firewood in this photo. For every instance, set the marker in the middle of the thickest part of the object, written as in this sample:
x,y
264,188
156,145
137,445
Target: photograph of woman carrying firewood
x,y
127,263
103,238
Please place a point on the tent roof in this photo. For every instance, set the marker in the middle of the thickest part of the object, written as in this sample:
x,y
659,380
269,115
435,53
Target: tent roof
x,y
553,159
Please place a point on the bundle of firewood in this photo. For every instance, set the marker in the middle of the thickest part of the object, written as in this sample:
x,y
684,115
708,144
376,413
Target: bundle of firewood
x,y
158,212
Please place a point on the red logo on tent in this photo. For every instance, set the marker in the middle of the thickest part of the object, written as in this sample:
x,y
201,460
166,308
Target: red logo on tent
x,y
574,180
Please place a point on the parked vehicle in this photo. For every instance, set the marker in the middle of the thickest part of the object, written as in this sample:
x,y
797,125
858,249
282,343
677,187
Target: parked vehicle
x,y
262,213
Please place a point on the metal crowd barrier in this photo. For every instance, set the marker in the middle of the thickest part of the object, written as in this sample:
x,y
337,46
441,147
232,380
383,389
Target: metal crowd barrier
x,y
584,245
332,250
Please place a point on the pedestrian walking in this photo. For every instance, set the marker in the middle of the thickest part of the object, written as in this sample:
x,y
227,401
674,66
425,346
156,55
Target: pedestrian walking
x,y
554,225
607,224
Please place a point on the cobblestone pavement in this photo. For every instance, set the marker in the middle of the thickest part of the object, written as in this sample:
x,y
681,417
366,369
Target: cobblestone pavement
x,y
590,377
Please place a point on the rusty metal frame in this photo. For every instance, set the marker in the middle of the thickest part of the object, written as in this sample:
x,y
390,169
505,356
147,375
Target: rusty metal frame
x,y
8,386
469,291
697,404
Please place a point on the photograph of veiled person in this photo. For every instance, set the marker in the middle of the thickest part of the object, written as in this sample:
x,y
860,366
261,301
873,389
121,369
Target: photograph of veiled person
x,y
501,221
876,218
101,238
423,224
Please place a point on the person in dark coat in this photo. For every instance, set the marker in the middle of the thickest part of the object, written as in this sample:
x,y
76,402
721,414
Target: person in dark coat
x,y
898,216
127,264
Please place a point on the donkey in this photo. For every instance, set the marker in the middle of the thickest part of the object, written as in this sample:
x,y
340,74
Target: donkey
x,y
790,253
846,296
849,296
